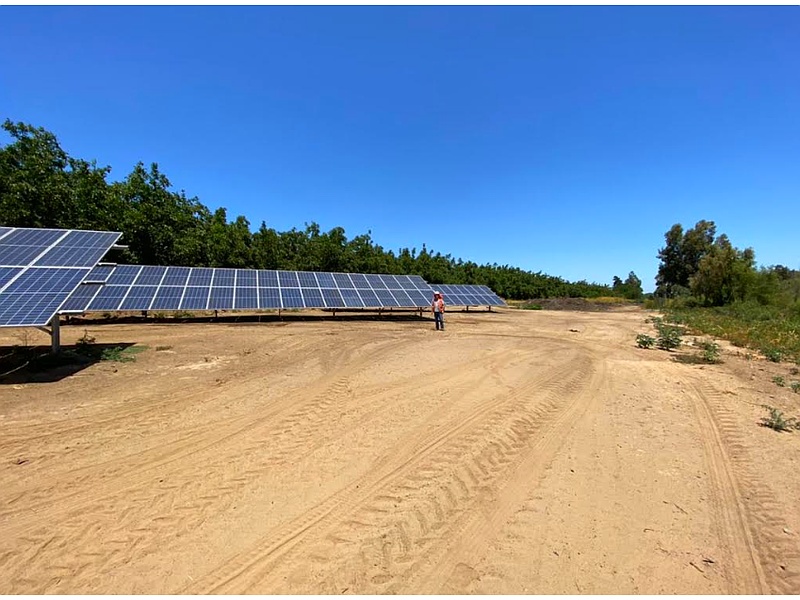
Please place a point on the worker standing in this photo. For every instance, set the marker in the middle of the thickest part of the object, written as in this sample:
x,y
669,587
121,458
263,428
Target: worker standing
x,y
437,308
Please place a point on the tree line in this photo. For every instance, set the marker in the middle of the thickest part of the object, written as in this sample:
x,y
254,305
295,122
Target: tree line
x,y
699,267
42,186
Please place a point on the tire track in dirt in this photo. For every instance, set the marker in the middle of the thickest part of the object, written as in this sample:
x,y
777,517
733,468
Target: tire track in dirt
x,y
211,486
434,573
764,559
388,520
122,416
106,476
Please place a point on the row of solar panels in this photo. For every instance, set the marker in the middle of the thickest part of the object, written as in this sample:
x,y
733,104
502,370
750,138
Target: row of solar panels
x,y
131,287
469,295
39,268
46,271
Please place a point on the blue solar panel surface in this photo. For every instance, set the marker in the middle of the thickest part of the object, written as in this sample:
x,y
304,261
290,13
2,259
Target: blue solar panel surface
x,y
40,268
130,287
469,295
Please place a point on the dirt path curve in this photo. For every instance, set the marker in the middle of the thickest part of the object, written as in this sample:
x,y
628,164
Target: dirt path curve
x,y
519,452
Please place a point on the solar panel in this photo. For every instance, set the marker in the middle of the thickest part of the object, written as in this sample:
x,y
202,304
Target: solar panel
x,y
177,276
139,297
221,298
150,276
100,273
41,268
79,249
133,287
81,297
200,277
469,295
268,279
29,310
8,273
195,298
107,299
246,297
246,278
269,297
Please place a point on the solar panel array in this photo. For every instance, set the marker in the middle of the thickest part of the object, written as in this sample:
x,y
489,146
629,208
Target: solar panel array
x,y
39,268
133,287
469,295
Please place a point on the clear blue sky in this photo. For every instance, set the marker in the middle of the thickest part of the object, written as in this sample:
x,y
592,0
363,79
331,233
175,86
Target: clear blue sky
x,y
558,139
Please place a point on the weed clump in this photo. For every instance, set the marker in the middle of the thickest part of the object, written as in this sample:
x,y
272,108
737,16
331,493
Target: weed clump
x,y
777,422
710,351
645,341
669,337
779,381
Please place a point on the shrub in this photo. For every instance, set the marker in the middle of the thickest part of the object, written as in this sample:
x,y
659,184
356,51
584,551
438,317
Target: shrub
x,y
777,421
778,380
645,341
710,351
773,355
795,385
669,336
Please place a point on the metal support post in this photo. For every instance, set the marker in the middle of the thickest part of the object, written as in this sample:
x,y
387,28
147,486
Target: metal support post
x,y
55,334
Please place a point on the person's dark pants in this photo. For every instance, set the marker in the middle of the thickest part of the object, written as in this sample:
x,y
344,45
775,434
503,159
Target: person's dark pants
x,y
439,319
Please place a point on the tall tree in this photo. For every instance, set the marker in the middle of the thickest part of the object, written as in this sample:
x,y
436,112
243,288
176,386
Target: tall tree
x,y
724,274
680,257
34,184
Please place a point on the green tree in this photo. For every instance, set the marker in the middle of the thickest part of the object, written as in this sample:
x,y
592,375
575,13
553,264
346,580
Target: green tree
x,y
724,274
34,183
680,257
155,221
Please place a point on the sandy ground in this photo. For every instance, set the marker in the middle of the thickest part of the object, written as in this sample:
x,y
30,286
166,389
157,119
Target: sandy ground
x,y
516,452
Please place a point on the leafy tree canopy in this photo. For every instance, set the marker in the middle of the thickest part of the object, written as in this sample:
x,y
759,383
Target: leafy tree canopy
x,y
42,186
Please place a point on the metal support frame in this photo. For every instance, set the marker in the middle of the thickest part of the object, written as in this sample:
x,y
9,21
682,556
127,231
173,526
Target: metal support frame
x,y
55,334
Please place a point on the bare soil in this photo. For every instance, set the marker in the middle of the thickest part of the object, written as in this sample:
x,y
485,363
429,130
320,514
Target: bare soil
x,y
515,452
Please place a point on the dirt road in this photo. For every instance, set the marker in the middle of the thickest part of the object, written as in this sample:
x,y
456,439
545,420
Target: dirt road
x,y
516,452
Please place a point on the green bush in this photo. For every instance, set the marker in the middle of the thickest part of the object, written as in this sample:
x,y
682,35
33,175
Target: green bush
x,y
669,336
645,341
710,351
795,385
778,380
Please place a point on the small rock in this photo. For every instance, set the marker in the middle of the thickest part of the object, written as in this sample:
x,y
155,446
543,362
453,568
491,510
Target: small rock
x,y
787,531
